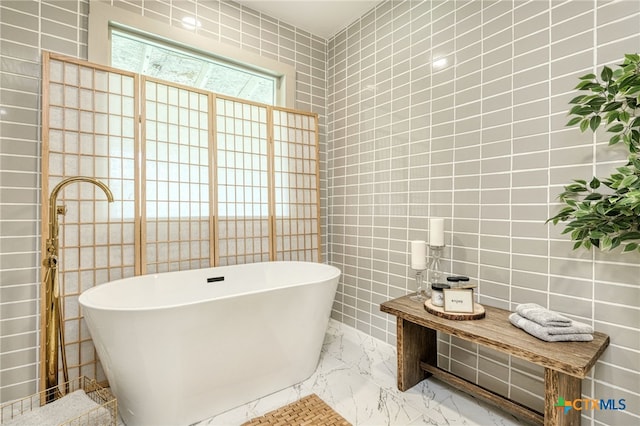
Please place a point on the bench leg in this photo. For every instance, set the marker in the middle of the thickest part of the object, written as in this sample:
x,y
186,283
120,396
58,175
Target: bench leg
x,y
415,344
564,387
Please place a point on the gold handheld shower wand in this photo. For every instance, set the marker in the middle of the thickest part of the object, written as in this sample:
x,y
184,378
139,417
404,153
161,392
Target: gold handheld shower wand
x,y
54,324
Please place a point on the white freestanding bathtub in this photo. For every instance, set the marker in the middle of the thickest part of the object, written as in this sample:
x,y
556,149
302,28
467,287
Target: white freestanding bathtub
x,y
180,347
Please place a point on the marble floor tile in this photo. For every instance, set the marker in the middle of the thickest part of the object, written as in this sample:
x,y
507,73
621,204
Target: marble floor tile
x,y
356,376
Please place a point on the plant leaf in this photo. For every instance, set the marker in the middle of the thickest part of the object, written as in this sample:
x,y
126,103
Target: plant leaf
x,y
630,236
577,99
624,116
588,77
593,197
611,106
574,121
627,181
616,128
584,124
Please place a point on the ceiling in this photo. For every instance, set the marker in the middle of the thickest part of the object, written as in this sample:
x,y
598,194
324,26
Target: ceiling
x,y
323,18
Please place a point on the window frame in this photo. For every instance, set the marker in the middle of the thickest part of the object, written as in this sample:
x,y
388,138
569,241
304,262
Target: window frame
x,y
103,16
205,60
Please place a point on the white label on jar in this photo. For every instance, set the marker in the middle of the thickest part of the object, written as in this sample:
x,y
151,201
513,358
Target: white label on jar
x,y
437,298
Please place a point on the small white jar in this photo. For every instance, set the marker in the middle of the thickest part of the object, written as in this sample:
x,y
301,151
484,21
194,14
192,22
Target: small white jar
x,y
437,295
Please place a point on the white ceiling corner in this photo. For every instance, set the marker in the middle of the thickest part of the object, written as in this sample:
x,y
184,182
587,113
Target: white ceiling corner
x,y
323,18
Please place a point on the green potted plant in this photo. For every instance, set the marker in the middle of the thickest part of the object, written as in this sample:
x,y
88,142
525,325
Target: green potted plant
x,y
606,213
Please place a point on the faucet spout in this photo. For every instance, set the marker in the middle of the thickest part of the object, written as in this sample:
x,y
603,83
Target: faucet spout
x,y
53,209
67,181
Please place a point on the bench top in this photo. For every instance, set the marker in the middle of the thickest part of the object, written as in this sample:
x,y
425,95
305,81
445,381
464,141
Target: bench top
x,y
496,331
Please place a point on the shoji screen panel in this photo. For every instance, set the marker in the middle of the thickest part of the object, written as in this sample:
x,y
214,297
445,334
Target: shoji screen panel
x,y
296,186
176,176
89,129
242,170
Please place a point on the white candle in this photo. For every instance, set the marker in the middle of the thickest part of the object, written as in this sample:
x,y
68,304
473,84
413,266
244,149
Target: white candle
x,y
436,232
418,255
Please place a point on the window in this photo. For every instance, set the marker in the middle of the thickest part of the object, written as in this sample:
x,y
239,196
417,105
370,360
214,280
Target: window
x,y
147,56
187,46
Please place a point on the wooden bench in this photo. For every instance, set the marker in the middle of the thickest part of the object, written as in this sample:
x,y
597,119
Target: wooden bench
x,y
565,363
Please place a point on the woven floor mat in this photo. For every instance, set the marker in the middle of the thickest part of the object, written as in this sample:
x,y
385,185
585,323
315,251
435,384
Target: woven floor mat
x,y
310,410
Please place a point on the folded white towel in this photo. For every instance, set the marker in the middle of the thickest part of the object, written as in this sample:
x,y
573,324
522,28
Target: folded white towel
x,y
62,410
542,316
575,328
552,334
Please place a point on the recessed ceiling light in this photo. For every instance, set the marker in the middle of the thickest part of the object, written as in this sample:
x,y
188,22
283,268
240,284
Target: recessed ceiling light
x,y
191,23
439,63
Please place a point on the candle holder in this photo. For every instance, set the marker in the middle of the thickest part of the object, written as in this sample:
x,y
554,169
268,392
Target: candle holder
x,y
434,273
421,290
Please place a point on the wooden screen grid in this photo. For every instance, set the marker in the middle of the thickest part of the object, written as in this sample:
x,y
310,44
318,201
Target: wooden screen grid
x,y
242,208
296,190
198,179
88,130
177,183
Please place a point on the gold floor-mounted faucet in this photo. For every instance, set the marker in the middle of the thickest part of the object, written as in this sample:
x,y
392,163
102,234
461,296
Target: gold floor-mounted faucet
x,y
54,323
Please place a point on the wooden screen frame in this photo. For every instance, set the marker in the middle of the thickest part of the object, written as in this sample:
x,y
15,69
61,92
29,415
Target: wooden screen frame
x,y
140,192
47,57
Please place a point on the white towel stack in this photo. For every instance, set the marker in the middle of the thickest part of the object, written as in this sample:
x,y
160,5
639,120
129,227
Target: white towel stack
x,y
548,325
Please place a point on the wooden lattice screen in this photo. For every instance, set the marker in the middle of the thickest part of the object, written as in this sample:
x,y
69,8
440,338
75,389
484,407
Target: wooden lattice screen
x,y
89,128
243,176
177,181
199,180
296,187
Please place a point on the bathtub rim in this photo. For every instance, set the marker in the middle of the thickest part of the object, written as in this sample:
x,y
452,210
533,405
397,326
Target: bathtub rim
x,y
82,298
